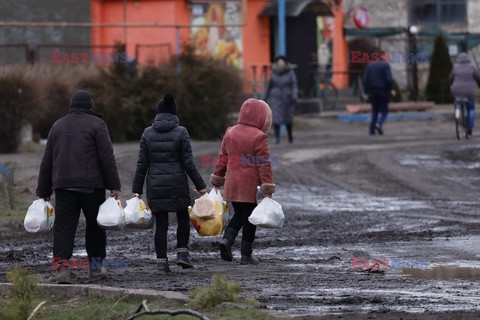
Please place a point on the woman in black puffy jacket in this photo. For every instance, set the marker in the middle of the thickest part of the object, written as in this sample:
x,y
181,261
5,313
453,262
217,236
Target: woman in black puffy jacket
x,y
166,159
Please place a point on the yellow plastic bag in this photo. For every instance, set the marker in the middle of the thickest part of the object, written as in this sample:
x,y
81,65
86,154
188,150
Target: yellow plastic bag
x,y
210,225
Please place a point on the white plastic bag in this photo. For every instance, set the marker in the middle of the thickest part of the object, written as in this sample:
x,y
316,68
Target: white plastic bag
x,y
138,215
216,195
268,214
111,214
40,216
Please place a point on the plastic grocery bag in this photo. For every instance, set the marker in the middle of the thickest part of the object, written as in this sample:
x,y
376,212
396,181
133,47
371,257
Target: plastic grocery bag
x,y
138,215
111,214
204,207
213,221
40,216
268,214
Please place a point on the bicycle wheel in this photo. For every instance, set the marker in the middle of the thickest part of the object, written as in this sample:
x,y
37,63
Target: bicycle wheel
x,y
458,122
465,125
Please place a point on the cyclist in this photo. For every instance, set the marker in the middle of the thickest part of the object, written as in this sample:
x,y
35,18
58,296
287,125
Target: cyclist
x,y
464,79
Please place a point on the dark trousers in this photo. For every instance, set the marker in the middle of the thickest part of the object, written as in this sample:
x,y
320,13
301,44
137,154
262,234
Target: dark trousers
x,y
379,99
183,232
243,210
470,116
276,129
67,212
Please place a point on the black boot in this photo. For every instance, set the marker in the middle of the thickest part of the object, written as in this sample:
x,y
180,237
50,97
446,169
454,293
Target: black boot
x,y
276,129
183,258
162,266
246,251
226,249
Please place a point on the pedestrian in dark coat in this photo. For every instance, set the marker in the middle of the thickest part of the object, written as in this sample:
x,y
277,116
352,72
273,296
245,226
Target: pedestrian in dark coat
x,y
378,83
281,95
246,140
165,159
465,78
78,164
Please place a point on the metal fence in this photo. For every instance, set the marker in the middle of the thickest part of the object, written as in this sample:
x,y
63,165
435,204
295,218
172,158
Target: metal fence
x,y
153,54
6,184
15,53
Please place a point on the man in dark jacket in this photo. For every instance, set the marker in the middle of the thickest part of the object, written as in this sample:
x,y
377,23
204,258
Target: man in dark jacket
x,y
78,164
166,154
465,78
378,82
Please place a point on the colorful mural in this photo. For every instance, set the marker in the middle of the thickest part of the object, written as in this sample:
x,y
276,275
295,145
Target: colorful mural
x,y
223,42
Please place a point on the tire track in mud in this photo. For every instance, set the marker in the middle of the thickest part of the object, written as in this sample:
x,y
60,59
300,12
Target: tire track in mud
x,y
335,210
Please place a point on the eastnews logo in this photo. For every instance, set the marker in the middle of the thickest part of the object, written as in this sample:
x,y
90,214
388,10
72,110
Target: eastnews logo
x,y
90,57
393,263
83,264
392,57
244,160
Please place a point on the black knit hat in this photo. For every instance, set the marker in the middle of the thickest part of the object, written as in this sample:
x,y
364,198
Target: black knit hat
x,y
81,99
167,105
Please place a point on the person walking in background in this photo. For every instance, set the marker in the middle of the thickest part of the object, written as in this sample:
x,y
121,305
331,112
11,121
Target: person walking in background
x,y
464,79
281,95
378,84
245,140
165,159
78,164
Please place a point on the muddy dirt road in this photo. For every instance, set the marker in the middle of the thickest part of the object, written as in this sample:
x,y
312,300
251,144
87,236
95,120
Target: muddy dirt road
x,y
411,194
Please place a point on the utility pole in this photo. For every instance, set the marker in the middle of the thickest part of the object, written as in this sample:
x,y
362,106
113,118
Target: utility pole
x,y
412,32
282,51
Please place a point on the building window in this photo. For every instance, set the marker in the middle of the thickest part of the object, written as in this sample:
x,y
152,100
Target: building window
x,y
438,11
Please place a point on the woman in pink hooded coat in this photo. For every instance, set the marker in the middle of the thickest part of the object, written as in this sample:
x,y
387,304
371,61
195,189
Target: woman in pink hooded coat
x,y
244,164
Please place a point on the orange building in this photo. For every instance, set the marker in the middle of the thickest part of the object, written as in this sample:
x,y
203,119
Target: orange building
x,y
241,32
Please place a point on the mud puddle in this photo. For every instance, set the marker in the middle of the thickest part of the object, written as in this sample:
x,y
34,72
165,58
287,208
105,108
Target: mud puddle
x,y
445,273
434,162
328,198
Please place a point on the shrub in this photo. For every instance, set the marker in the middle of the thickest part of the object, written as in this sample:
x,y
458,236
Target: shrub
x,y
398,93
438,85
220,291
22,293
54,85
17,102
205,91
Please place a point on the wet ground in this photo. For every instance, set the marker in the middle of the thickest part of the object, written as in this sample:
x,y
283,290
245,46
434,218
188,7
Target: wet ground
x,y
410,195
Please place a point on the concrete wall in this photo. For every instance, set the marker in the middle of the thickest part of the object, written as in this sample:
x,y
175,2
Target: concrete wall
x,y
473,11
385,14
42,10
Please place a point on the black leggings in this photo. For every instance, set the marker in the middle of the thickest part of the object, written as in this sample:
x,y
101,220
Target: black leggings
x,y
276,128
183,232
243,210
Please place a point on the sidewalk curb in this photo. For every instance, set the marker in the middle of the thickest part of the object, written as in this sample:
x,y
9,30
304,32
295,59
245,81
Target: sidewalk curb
x,y
398,116
70,291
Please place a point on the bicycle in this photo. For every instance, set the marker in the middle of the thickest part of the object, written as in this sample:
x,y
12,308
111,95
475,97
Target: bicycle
x,y
461,127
